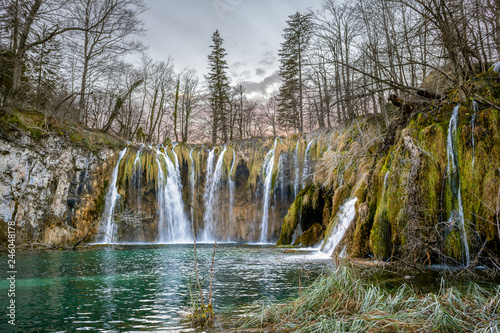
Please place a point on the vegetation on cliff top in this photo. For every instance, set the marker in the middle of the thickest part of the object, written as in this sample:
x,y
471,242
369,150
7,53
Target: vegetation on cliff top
x,y
40,126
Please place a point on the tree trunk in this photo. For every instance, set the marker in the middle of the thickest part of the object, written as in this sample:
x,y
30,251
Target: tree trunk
x,y
22,46
301,104
175,110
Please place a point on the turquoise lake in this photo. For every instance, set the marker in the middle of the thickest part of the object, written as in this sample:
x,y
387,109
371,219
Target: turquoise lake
x,y
147,288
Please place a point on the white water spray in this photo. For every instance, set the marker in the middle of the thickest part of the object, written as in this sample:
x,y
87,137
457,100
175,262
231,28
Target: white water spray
x,y
268,179
297,169
496,67
211,195
173,224
110,204
305,172
192,183
137,177
452,169
281,176
385,182
232,188
345,216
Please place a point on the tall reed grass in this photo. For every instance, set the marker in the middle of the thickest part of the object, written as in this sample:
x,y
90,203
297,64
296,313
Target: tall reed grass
x,y
341,302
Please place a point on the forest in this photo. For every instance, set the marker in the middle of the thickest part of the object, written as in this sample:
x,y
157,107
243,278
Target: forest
x,y
83,61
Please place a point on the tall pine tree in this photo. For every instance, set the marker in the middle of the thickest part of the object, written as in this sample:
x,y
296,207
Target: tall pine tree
x,y
218,86
292,54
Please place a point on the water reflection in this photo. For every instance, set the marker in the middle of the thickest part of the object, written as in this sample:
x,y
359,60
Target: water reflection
x,y
146,288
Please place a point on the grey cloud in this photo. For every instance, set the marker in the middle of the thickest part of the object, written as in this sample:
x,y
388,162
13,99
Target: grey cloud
x,y
239,64
269,59
260,72
262,86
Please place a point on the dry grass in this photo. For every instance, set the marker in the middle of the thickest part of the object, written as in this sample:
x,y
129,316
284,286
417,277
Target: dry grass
x,y
341,302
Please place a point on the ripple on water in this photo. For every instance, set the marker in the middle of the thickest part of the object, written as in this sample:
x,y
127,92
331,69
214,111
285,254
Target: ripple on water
x,y
146,288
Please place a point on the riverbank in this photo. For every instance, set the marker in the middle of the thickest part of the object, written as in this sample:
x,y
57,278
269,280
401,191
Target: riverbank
x,y
340,301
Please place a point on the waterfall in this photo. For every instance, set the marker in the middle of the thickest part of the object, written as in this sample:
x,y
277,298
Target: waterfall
x,y
137,178
192,183
173,224
281,176
211,195
232,188
385,183
305,172
454,178
110,203
268,180
472,124
345,216
297,170
496,67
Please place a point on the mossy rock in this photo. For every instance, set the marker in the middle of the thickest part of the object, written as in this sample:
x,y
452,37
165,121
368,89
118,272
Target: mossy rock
x,y
310,237
380,237
359,246
340,195
290,222
453,245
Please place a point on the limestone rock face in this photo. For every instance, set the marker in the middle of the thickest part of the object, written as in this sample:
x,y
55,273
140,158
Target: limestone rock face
x,y
52,188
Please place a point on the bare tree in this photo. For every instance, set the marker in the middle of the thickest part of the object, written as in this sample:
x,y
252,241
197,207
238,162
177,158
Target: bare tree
x,y
107,26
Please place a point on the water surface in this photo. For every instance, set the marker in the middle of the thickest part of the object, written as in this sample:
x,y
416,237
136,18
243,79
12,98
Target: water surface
x,y
147,288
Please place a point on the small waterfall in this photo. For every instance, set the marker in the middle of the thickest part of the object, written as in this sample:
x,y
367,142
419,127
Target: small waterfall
x,y
281,177
496,67
297,170
385,182
345,216
472,124
110,203
173,224
232,189
457,214
192,183
305,172
137,170
211,195
268,179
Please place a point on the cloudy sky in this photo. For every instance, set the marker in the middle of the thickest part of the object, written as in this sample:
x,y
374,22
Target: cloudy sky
x,y
251,29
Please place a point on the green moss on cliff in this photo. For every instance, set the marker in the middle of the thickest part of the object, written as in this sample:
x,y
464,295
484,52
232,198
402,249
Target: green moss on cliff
x,y
291,220
40,126
311,236
453,245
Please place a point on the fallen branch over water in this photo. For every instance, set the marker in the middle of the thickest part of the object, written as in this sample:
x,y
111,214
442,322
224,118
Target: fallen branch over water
x,y
341,302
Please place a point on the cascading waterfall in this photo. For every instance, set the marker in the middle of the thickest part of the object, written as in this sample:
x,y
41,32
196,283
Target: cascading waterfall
x,y
192,180
110,203
345,216
472,123
496,67
385,182
457,214
281,176
297,170
173,224
211,195
305,172
232,189
268,179
137,169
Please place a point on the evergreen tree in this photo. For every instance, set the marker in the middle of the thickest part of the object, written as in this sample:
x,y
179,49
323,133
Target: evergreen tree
x,y
292,52
218,86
